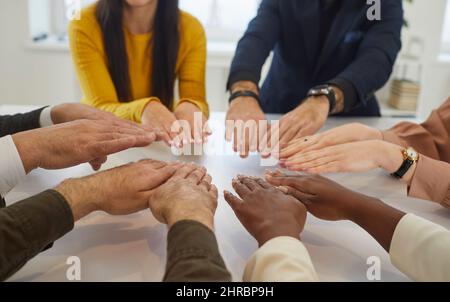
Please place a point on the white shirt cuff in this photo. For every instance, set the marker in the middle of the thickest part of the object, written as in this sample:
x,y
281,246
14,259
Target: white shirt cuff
x,y
45,119
12,171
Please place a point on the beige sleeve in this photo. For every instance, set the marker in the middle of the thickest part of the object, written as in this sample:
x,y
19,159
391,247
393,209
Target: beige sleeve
x,y
282,259
421,249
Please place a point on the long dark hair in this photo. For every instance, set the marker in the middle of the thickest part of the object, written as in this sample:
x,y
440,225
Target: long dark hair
x,y
164,46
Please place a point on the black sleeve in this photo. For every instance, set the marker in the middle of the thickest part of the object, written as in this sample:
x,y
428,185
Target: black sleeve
x,y
254,48
11,124
349,91
193,254
30,226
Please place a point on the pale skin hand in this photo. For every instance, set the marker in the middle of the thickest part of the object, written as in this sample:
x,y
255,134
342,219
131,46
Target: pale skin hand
x,y
119,191
157,116
187,195
264,211
246,110
351,157
77,142
340,135
197,130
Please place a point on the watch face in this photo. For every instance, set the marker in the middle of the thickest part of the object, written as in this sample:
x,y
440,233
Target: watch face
x,y
412,154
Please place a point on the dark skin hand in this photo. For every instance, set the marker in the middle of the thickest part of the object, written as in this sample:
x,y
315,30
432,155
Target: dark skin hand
x,y
264,211
328,200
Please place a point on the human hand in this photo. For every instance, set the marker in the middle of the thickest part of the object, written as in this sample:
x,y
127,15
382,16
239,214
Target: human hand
x,y
328,200
351,157
198,129
264,211
68,112
187,195
340,135
242,124
323,198
157,116
119,191
78,142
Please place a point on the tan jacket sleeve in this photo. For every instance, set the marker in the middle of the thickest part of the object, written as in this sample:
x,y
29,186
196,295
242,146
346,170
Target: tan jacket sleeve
x,y
282,259
421,249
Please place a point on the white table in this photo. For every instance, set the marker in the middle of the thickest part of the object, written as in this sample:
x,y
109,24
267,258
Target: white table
x,y
133,248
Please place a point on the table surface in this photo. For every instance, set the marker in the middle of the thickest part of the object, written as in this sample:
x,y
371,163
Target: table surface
x,y
133,248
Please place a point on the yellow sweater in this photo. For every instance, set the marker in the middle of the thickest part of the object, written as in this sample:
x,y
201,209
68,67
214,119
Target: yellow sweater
x,y
86,44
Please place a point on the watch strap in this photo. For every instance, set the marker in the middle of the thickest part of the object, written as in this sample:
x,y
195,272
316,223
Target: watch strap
x,y
407,163
243,93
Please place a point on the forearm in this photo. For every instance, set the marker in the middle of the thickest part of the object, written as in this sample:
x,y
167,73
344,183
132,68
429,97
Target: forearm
x,y
193,254
29,226
377,218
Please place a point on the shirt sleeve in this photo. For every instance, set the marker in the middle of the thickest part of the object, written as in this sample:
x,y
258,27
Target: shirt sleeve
x,y
282,259
421,249
11,124
193,254
29,226
45,119
192,69
431,138
93,74
254,48
12,170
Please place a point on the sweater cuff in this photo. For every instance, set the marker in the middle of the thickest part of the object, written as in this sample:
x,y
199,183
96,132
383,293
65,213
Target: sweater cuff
x,y
193,254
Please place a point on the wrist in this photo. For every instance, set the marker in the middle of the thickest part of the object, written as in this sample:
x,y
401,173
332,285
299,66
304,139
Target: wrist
x,y
390,157
320,103
204,217
288,229
28,146
77,196
245,85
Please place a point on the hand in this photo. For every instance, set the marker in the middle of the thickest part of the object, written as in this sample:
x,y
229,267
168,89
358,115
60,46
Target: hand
x,y
306,119
322,197
69,112
77,142
197,130
352,157
242,123
264,211
340,135
120,191
188,195
157,116
328,200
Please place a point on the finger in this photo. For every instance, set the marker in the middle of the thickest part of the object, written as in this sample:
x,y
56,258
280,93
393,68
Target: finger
x,y
287,136
263,184
297,182
297,194
320,161
213,191
332,167
249,182
196,175
183,172
229,130
157,178
245,144
197,132
205,185
232,200
155,164
241,189
207,178
104,148
303,158
297,146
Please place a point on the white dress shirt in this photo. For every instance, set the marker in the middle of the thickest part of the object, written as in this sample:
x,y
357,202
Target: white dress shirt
x,y
421,249
282,259
12,171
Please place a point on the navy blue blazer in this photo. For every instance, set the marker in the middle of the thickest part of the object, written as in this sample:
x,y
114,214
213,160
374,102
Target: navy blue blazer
x,y
356,51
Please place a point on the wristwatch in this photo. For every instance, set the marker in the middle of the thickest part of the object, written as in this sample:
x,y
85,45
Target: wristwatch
x,y
326,90
243,93
410,157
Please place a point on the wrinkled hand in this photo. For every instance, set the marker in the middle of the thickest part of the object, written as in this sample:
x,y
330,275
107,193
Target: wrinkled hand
x,y
340,135
188,195
264,211
323,198
78,142
352,157
194,130
242,125
157,116
119,191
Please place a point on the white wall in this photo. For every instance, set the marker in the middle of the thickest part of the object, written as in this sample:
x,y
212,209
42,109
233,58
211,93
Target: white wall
x,y
33,76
